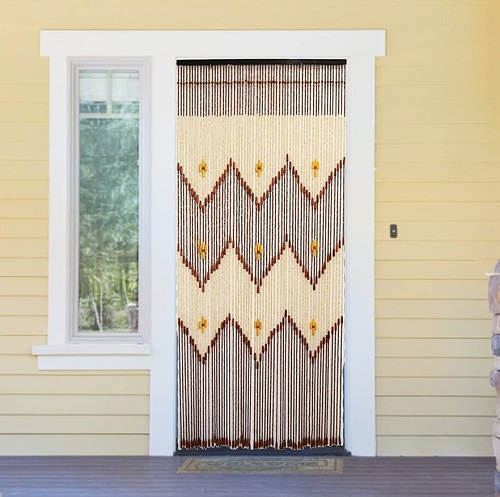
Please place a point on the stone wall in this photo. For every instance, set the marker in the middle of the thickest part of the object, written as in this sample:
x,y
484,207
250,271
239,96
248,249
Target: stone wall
x,y
494,301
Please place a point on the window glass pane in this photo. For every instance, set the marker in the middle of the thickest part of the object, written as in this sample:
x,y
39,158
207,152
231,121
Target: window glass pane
x,y
125,108
108,203
125,92
93,91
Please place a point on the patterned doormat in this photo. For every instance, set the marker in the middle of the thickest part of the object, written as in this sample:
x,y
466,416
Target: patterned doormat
x,y
269,465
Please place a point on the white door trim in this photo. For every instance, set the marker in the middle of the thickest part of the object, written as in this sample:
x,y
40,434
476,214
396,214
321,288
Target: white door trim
x,y
164,47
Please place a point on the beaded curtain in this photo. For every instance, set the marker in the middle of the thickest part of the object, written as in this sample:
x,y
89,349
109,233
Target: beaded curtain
x,y
260,255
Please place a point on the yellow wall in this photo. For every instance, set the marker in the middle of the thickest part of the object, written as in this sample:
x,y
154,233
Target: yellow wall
x,y
495,36
438,178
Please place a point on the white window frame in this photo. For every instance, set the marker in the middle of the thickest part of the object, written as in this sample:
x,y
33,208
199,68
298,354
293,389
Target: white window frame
x,y
360,48
56,320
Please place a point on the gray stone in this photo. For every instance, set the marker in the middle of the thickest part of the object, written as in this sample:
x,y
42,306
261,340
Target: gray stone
x,y
495,378
497,482
495,345
496,324
494,290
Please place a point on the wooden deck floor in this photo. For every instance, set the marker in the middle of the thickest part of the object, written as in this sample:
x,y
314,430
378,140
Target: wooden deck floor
x,y
157,477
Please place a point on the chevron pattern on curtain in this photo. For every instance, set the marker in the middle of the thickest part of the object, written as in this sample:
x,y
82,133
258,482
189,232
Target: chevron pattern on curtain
x,y
260,255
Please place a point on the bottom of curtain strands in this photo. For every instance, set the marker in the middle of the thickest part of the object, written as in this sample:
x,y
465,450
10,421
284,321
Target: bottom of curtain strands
x,y
289,401
245,443
214,443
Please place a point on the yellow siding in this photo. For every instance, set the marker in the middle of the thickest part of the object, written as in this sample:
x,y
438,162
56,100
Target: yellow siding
x,y
432,367
431,328
433,426
494,29
54,424
433,386
44,412
83,444
438,178
72,405
423,445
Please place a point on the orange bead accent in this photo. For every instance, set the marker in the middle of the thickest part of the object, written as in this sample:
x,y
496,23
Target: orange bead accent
x,y
202,324
314,247
258,327
315,167
258,249
313,326
202,249
203,168
259,167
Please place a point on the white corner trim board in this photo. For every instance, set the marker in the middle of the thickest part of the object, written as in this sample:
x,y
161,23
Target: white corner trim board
x,y
163,48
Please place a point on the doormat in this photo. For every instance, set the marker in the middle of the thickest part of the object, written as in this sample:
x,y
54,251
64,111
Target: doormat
x,y
268,465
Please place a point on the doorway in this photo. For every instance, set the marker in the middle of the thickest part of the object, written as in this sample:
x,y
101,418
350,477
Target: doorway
x,y
260,264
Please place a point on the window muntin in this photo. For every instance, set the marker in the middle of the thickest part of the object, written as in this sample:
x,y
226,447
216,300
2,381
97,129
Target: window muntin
x,y
107,217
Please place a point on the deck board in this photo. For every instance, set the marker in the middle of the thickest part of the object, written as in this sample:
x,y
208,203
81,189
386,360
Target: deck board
x,y
157,477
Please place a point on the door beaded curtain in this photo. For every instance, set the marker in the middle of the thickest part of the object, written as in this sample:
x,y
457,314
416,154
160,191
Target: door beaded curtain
x,y
260,255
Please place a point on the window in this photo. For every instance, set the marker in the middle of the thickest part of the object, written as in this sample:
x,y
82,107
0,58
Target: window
x,y
108,169
106,212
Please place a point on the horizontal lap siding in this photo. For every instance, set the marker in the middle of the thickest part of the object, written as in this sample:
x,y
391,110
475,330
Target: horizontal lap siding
x,y
448,445
45,412
438,178
83,413
69,444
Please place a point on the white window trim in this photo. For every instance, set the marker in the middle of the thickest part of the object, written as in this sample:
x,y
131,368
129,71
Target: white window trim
x,y
142,65
164,47
65,345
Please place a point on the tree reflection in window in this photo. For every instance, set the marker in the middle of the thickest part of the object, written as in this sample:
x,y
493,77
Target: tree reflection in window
x,y
108,215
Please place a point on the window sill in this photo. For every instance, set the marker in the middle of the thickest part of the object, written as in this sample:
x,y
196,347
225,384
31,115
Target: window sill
x,y
93,356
